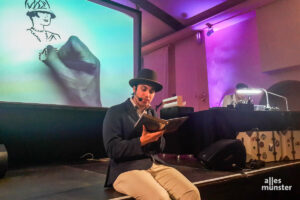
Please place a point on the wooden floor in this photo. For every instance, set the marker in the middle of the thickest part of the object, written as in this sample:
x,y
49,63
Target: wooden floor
x,y
85,180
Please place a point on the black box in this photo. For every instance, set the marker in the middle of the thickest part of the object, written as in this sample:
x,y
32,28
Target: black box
x,y
174,140
176,111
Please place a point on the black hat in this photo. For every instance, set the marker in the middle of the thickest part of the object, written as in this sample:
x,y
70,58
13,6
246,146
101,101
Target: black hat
x,y
147,77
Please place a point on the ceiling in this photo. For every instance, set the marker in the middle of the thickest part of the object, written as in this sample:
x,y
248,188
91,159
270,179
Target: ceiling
x,y
164,17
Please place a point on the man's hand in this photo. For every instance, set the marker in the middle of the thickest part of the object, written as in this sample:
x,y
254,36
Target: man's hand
x,y
77,70
148,137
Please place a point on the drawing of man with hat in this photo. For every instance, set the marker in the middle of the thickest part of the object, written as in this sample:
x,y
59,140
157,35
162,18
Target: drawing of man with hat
x,y
74,67
40,15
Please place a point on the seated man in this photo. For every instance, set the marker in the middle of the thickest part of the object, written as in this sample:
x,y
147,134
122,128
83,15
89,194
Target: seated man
x,y
233,99
134,169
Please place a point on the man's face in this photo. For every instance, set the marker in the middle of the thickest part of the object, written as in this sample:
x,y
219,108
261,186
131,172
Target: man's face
x,y
43,18
146,92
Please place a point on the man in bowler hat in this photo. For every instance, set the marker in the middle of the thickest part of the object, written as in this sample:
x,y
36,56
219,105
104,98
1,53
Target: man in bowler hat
x,y
134,167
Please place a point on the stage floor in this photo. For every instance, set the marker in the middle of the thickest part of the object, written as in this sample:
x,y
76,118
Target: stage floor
x,y
85,180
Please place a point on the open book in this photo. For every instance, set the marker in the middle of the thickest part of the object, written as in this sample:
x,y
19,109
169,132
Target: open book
x,y
154,124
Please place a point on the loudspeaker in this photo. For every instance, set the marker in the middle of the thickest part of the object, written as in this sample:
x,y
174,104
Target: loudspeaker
x,y
3,160
225,154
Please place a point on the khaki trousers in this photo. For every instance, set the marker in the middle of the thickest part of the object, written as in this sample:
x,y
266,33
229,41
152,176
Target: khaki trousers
x,y
160,182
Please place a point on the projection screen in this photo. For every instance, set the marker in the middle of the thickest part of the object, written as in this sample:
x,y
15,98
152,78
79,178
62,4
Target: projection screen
x,y
67,52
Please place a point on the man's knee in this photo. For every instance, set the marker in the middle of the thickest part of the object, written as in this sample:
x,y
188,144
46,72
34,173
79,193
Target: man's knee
x,y
158,195
192,194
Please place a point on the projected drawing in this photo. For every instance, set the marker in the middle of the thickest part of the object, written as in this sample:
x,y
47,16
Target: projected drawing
x,y
67,52
75,68
40,15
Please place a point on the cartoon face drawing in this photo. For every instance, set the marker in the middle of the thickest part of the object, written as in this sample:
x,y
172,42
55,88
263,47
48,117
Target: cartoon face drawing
x,y
41,16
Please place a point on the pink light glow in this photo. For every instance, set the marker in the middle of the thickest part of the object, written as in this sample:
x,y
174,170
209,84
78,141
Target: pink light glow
x,y
228,56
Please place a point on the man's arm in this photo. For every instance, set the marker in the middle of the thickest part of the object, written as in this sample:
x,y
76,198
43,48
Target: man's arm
x,y
158,145
116,146
156,141
121,149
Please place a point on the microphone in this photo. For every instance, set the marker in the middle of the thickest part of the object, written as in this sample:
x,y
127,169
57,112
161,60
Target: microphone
x,y
139,98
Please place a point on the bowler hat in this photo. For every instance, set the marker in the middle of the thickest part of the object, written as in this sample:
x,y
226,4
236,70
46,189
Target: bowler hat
x,y
147,77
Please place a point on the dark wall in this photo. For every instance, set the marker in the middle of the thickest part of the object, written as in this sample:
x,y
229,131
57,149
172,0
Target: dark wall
x,y
45,133
289,89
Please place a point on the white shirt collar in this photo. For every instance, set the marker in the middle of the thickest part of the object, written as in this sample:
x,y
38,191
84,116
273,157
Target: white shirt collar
x,y
137,110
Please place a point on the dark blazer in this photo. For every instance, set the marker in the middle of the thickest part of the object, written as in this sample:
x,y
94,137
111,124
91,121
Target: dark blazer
x,y
122,143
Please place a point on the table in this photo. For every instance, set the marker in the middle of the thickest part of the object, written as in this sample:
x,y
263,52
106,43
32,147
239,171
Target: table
x,y
206,127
